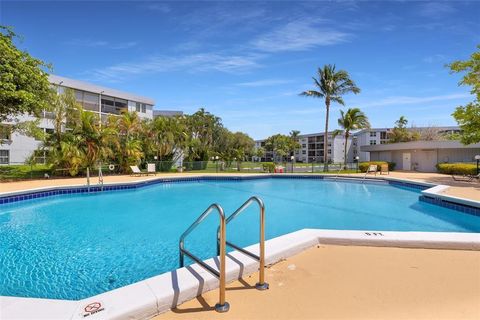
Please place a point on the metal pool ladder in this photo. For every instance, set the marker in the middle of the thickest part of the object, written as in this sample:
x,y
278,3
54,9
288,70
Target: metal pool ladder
x,y
261,284
222,305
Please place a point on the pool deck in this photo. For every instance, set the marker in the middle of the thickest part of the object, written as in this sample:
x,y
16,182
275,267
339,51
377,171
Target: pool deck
x,y
466,190
348,282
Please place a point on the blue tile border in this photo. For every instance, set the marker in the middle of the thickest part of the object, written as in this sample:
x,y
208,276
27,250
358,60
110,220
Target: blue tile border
x,y
451,205
408,185
95,189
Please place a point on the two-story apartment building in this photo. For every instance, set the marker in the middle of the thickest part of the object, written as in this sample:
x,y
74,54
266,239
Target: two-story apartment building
x,y
16,147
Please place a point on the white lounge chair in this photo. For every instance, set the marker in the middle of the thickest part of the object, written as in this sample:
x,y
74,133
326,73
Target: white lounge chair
x,y
372,169
151,168
136,171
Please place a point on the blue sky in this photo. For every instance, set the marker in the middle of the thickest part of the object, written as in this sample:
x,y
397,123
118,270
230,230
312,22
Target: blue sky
x,y
247,61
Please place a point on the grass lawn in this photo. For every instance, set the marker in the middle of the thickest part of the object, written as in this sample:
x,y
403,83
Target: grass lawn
x,y
21,172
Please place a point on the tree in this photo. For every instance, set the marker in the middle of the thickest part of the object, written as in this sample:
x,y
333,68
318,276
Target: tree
x,y
400,133
24,86
331,85
352,119
294,134
128,144
468,117
203,129
280,145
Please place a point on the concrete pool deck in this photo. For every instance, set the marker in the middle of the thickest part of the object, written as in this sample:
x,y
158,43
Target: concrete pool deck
x,y
467,190
348,282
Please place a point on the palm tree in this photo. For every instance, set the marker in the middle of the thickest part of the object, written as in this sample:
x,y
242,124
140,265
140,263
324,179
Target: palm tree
x,y
352,119
295,144
330,86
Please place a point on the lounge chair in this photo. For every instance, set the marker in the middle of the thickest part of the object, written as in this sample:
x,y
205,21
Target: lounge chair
x,y
136,171
384,169
151,168
466,177
372,169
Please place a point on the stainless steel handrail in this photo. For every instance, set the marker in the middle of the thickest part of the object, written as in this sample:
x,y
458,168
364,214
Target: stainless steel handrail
x,y
261,285
222,305
88,179
100,177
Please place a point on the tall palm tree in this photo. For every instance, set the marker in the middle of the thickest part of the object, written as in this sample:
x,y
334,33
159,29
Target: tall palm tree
x,y
352,119
331,85
295,144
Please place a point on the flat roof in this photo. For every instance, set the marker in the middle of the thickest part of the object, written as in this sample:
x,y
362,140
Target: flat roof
x,y
167,113
86,86
447,144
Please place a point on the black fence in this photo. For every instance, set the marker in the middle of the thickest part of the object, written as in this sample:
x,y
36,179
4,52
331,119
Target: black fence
x,y
22,171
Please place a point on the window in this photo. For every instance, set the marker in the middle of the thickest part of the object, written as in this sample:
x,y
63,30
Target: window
x,y
90,101
304,151
140,107
4,156
5,133
373,133
383,135
373,142
304,145
329,151
49,131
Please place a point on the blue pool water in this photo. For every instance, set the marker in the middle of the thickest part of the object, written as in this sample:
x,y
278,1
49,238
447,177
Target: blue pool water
x,y
75,246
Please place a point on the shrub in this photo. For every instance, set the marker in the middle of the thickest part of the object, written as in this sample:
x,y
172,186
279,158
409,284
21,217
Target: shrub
x,y
363,166
457,168
268,167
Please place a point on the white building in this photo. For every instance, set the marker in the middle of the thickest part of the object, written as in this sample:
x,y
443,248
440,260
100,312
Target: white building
x,y
311,145
15,147
311,148
422,156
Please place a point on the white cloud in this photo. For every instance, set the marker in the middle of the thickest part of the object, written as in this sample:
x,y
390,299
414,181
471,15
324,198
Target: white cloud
x,y
436,58
100,44
436,9
189,63
158,6
403,100
299,35
264,83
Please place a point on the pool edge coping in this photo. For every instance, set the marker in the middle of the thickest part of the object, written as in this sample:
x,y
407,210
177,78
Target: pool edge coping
x,y
152,296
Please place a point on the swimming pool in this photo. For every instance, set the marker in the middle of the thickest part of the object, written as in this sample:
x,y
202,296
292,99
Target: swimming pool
x,y
78,245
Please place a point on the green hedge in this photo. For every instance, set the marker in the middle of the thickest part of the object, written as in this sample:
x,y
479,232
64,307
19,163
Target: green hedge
x,y
363,166
268,167
457,168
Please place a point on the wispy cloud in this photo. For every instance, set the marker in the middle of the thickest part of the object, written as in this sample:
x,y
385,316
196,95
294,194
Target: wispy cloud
x,y
404,100
299,35
264,83
436,9
436,58
189,63
100,44
158,6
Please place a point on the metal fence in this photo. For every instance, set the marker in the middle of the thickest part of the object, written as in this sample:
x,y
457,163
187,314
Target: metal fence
x,y
22,171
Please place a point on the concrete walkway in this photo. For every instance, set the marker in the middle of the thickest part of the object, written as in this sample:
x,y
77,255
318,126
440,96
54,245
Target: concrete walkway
x,y
340,282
